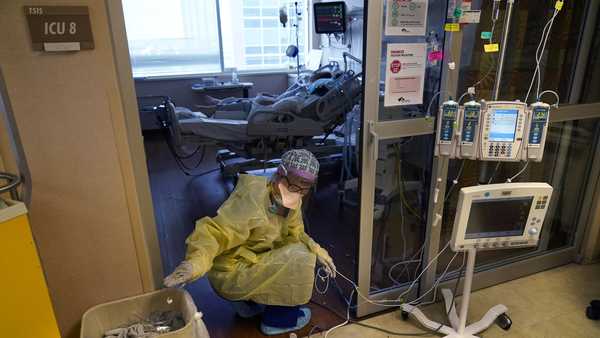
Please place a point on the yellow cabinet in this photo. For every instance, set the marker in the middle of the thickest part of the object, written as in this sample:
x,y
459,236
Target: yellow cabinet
x,y
25,307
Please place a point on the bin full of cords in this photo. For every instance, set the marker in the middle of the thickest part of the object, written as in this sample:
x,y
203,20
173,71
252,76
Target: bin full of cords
x,y
157,323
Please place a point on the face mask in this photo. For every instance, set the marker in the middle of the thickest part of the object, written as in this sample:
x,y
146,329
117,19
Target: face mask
x,y
290,200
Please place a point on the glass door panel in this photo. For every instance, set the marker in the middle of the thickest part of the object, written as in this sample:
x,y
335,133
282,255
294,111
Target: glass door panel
x,y
568,157
434,40
399,221
528,20
591,84
397,155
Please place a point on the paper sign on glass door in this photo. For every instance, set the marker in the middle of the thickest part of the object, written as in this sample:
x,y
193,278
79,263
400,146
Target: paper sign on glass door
x,y
405,72
406,17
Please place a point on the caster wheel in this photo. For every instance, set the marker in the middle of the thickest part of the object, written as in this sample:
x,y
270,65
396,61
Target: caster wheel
x,y
404,315
504,322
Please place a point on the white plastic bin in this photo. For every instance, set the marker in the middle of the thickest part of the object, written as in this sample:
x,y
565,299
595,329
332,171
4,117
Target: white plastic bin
x,y
101,318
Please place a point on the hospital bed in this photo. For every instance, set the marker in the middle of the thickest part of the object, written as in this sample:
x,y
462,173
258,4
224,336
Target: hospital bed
x,y
268,131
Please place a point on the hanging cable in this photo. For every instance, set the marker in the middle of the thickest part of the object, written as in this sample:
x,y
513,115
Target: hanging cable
x,y
540,52
405,264
461,268
455,181
348,320
384,302
551,92
400,183
494,172
509,180
356,322
428,111
435,285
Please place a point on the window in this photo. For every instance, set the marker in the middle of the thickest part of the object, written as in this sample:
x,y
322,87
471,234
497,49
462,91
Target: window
x,y
261,41
591,84
182,37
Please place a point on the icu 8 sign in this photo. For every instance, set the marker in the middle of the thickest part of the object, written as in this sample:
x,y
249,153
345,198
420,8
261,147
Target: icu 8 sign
x,y
59,28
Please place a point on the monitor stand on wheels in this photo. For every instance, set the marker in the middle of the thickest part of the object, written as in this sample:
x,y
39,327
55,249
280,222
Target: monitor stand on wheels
x,y
458,327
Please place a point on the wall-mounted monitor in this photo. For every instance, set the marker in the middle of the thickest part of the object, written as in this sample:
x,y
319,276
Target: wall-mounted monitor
x,y
330,17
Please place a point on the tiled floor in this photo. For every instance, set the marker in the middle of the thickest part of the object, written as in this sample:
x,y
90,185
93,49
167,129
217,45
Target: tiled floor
x,y
548,304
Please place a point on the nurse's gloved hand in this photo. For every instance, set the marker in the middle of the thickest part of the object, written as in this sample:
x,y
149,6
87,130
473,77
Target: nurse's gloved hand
x,y
327,262
182,274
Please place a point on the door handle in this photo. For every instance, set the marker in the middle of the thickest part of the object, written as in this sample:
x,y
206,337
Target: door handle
x,y
374,140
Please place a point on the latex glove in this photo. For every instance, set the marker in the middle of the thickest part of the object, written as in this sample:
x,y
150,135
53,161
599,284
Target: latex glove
x,y
182,274
324,259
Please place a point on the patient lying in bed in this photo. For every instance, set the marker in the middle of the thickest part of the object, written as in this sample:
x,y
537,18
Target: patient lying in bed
x,y
294,100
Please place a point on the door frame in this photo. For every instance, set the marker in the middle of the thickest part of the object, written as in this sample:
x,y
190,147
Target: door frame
x,y
130,147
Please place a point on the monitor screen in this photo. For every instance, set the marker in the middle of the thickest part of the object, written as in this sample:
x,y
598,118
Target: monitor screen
x,y
503,217
330,17
503,125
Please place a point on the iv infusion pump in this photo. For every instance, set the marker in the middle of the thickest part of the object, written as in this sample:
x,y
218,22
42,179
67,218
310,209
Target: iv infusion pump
x,y
492,131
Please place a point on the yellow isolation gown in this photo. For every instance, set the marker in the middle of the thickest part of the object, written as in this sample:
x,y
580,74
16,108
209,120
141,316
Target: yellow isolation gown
x,y
251,253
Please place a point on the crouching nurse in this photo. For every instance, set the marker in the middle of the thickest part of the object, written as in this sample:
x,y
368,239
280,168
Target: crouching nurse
x,y
255,251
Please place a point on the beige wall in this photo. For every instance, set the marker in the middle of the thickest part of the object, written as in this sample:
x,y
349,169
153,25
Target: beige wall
x,y
90,204
6,157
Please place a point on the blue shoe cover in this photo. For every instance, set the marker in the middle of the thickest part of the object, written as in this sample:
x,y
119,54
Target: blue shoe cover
x,y
247,309
303,320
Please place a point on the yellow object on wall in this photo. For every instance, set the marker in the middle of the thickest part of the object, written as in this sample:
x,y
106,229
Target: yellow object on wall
x,y
26,310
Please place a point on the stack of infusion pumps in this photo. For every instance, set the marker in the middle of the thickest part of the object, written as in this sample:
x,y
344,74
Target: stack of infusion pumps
x,y
492,131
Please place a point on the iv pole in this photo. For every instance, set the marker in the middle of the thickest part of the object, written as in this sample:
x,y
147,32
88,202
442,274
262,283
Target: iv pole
x,y
507,20
483,171
297,39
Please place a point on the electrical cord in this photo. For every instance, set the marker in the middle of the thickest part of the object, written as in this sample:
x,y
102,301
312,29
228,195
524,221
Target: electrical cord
x,y
538,55
494,173
441,278
509,180
187,171
405,263
455,181
495,16
428,111
400,183
359,323
460,273
313,329
437,283
551,92
487,74
461,97
181,164
402,231
539,82
347,317
384,303
461,270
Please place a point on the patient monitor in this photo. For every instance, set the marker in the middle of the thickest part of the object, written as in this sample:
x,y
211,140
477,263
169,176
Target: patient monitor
x,y
499,216
488,217
330,17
